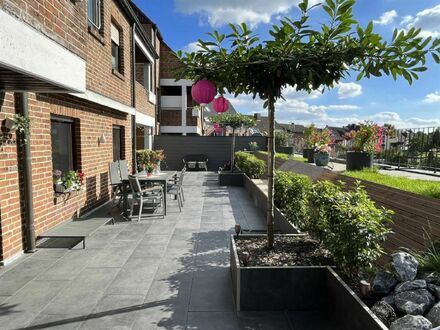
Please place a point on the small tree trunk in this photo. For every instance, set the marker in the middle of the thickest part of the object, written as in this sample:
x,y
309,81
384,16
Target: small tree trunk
x,y
270,174
233,150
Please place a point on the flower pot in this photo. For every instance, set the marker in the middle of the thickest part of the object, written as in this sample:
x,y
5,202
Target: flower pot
x,y
59,187
322,158
309,153
357,161
149,173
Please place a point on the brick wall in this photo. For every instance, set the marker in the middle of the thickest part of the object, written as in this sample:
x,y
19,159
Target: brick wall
x,y
93,160
168,62
99,73
171,118
142,103
60,20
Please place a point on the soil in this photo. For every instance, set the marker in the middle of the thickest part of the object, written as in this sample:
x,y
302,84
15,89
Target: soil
x,y
287,251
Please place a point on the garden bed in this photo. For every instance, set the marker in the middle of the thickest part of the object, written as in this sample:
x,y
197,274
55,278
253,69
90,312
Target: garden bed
x,y
313,291
228,178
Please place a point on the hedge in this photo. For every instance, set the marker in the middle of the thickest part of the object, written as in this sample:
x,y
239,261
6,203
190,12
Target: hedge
x,y
249,164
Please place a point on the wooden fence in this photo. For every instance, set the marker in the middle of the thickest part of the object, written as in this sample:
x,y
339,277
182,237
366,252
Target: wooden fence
x,y
413,214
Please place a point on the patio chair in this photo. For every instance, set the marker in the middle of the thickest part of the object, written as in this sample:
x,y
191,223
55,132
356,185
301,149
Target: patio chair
x,y
175,181
123,168
196,161
142,197
177,191
115,182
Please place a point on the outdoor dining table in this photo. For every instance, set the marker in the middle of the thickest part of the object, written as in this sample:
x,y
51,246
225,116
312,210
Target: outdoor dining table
x,y
162,178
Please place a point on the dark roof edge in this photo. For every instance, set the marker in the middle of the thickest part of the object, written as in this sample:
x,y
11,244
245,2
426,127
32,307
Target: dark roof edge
x,y
145,38
155,26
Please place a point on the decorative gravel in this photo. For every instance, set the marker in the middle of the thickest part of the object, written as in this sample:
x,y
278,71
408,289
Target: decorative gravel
x,y
287,251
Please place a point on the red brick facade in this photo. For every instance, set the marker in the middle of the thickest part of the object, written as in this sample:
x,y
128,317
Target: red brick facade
x,y
66,23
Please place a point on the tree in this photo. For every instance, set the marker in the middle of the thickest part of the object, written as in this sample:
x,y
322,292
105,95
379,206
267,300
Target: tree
x,y
306,58
234,121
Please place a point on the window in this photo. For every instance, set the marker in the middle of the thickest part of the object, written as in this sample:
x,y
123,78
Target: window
x,y
116,48
117,143
62,133
148,77
94,13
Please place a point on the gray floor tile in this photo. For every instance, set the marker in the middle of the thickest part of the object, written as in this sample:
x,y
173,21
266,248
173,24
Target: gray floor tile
x,y
212,291
213,321
263,321
57,321
157,315
114,312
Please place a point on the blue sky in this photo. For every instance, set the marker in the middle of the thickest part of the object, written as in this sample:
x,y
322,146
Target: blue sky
x,y
182,22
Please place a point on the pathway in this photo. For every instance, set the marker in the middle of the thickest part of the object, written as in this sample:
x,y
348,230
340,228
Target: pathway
x,y
170,273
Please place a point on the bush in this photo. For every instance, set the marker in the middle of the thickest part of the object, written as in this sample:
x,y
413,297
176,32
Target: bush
x,y
349,224
249,164
290,196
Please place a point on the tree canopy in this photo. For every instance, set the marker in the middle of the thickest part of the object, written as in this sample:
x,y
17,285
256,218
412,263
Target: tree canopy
x,y
233,120
306,58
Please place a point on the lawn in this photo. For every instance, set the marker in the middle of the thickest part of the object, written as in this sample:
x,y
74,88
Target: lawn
x,y
421,187
287,157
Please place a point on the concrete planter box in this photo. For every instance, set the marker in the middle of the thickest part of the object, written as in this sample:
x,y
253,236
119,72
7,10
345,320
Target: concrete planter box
x,y
317,295
284,150
230,179
309,153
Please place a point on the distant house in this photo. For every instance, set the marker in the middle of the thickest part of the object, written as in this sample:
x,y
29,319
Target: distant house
x,y
337,133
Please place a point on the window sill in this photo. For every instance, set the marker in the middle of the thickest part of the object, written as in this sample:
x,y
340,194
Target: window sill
x,y
97,34
118,74
62,198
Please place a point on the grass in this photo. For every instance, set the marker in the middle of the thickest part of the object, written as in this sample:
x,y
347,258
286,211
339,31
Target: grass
x,y
287,157
417,186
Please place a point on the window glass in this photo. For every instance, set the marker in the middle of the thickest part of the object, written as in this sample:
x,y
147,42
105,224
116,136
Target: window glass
x,y
117,143
94,12
62,145
116,38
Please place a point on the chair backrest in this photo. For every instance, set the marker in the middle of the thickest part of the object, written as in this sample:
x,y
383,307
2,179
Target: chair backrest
x,y
115,177
123,168
134,184
182,174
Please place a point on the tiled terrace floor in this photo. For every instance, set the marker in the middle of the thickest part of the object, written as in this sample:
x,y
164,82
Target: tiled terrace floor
x,y
170,273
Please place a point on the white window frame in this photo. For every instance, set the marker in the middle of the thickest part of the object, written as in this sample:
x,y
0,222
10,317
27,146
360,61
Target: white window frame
x,y
98,14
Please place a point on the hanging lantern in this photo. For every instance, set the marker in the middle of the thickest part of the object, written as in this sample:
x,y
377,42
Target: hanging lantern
x,y
221,104
203,92
217,128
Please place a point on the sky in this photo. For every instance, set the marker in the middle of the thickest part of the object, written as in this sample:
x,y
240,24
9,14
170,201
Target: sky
x,y
382,100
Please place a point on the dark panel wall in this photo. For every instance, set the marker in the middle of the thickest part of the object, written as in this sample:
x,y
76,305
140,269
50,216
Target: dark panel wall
x,y
217,148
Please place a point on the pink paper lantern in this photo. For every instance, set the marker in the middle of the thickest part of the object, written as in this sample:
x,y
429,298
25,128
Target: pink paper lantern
x,y
217,128
221,104
203,91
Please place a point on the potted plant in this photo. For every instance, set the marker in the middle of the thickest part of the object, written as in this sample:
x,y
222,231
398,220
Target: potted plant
x,y
322,147
310,138
149,168
253,146
159,157
366,140
57,181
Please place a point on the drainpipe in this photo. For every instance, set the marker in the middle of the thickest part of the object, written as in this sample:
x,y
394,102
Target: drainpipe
x,y
27,179
133,82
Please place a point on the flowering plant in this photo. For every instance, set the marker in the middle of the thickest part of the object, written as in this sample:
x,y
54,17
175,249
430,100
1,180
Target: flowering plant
x,y
71,180
368,138
323,140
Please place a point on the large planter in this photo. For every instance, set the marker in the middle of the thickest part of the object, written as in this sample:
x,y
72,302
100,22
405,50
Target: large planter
x,y
228,178
312,295
359,160
322,158
309,153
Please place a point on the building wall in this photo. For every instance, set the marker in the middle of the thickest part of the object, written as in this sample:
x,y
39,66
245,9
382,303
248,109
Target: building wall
x,y
171,118
61,20
168,62
100,76
92,159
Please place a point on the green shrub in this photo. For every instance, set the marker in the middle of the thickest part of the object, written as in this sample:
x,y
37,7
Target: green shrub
x,y
290,196
349,224
249,164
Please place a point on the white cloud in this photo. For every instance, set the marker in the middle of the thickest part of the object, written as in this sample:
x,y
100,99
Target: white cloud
x,y
432,98
428,20
387,117
217,13
387,18
337,107
191,47
349,90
